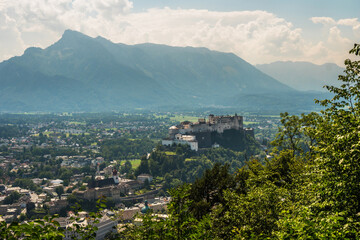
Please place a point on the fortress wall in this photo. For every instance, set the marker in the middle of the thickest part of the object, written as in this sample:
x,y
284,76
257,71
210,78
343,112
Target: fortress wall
x,y
200,128
206,131
204,139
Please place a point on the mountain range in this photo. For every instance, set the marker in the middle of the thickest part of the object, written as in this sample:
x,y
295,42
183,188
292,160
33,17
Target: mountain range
x,y
303,76
80,73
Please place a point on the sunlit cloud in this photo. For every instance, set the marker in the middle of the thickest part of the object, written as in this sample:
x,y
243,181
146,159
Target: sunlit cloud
x,y
256,36
349,22
323,20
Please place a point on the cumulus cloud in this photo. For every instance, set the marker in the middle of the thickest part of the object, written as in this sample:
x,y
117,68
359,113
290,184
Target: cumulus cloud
x,y
41,22
329,22
349,22
249,34
352,22
323,20
336,43
256,36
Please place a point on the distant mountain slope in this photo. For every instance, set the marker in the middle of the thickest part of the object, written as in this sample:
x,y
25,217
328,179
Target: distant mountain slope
x,y
26,90
80,73
197,70
303,76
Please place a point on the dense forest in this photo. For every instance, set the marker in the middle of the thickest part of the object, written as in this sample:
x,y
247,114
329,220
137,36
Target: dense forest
x,y
124,148
308,189
178,164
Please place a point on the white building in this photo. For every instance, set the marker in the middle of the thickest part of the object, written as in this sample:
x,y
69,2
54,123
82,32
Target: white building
x,y
105,225
182,139
143,177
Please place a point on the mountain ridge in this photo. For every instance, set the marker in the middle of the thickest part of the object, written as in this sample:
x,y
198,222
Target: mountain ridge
x,y
82,73
303,76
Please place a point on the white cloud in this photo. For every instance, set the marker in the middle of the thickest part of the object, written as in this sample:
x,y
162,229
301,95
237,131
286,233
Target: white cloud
x,y
323,20
349,22
335,43
10,40
352,22
41,22
329,22
256,36
248,34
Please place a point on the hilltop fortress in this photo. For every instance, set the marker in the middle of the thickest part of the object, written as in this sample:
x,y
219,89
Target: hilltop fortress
x,y
226,131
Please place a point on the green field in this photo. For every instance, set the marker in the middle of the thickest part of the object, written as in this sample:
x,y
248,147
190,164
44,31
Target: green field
x,y
179,118
48,133
246,122
170,153
190,159
134,163
78,123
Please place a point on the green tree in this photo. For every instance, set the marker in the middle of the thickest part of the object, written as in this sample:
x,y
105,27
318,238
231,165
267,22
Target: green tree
x,y
12,198
59,190
39,229
207,191
330,205
144,166
127,167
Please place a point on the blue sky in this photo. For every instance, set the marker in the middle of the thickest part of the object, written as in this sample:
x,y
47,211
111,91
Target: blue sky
x,y
298,12
261,31
294,10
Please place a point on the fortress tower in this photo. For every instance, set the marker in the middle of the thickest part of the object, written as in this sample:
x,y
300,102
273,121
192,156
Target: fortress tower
x,y
206,133
115,176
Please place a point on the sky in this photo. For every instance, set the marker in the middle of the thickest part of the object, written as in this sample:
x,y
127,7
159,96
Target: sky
x,y
259,31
